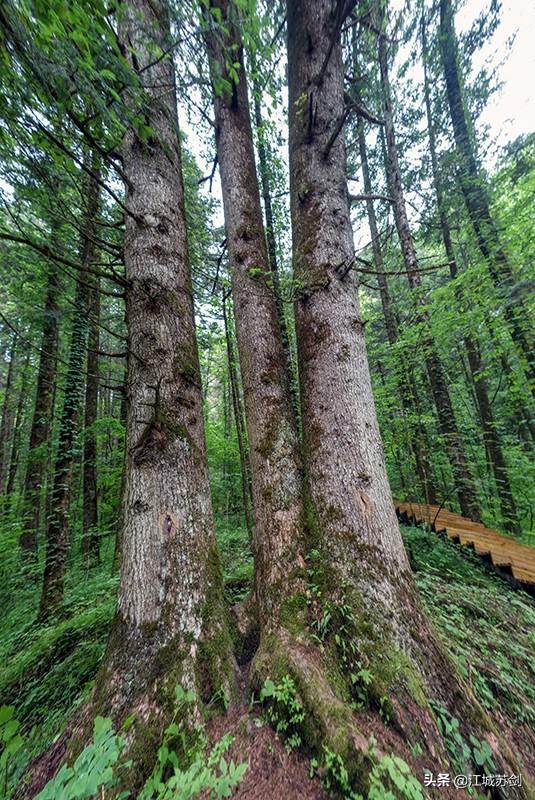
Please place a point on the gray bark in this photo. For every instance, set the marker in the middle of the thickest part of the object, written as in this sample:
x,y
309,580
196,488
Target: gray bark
x,y
271,427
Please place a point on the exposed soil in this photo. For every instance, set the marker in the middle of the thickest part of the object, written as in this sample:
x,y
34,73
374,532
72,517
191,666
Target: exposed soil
x,y
273,773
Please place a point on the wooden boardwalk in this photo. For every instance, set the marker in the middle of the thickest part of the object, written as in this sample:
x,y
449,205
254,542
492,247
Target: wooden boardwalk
x,y
504,553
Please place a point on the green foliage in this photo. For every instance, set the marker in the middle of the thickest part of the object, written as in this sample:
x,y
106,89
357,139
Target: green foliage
x,y
93,771
464,756
284,709
391,779
10,743
210,773
336,777
486,625
205,771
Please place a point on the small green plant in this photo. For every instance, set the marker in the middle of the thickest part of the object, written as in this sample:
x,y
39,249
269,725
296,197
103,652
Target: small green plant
x,y
336,776
455,744
462,754
284,709
213,774
482,755
206,772
391,779
93,770
10,744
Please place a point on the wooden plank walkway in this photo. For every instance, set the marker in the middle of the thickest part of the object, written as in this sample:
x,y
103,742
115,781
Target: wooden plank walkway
x,y
504,553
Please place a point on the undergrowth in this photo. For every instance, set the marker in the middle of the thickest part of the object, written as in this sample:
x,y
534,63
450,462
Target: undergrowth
x,y
487,625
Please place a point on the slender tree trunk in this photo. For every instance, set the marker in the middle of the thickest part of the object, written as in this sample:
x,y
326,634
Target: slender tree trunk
x,y
477,370
476,197
90,540
42,419
405,375
271,241
240,425
58,521
6,420
362,602
17,428
271,427
448,425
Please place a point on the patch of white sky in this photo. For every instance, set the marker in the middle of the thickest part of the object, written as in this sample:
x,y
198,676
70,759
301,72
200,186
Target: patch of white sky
x,y
509,55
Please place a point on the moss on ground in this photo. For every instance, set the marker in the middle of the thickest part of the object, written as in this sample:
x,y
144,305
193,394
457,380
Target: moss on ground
x,y
486,625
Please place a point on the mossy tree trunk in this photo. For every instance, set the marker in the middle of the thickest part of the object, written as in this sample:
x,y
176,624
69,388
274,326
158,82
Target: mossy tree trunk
x,y
476,198
463,481
58,520
41,419
6,418
170,626
90,541
271,425
361,600
476,366
18,423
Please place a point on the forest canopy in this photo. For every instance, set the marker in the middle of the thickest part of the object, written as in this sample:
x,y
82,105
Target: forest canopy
x,y
266,331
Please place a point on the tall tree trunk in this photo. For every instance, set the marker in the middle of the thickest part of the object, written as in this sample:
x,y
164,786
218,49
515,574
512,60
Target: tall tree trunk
x,y
170,626
119,525
271,426
90,540
476,197
362,602
6,419
58,520
448,425
6,416
240,425
17,427
477,370
42,419
405,375
271,241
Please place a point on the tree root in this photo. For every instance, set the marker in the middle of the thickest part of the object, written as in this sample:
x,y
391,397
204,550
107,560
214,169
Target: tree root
x,y
403,724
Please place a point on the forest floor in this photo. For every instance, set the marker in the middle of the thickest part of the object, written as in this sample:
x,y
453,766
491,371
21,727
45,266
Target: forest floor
x,y
487,625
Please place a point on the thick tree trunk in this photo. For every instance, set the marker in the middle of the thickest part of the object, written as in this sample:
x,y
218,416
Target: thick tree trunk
x,y
58,520
241,436
464,485
271,241
170,626
405,375
119,525
477,370
271,427
361,600
90,541
6,419
476,197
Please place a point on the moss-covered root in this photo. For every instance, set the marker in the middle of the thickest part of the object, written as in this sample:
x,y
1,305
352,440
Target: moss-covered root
x,y
397,718
137,684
